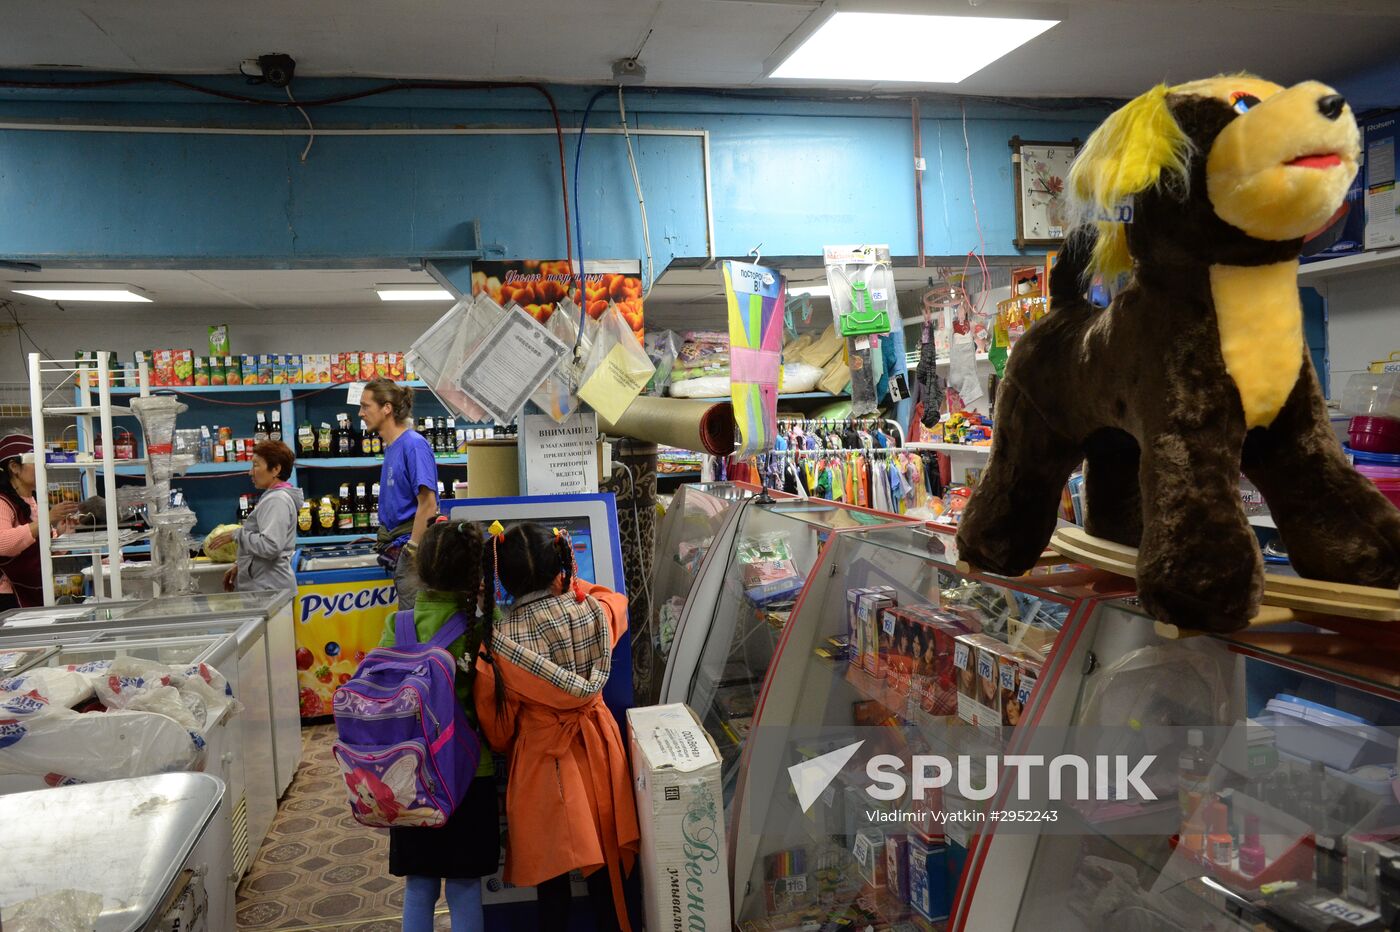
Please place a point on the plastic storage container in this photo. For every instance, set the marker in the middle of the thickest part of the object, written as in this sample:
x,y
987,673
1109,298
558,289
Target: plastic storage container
x,y
1316,732
1381,468
1373,394
1372,434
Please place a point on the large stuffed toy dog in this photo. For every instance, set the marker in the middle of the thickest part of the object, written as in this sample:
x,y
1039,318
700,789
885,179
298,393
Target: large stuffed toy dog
x,y
1198,369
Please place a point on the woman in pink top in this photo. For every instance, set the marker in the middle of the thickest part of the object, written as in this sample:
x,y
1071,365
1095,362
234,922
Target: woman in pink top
x,y
22,582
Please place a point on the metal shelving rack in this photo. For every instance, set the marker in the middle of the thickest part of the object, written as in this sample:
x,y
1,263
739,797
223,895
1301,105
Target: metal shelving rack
x,y
91,402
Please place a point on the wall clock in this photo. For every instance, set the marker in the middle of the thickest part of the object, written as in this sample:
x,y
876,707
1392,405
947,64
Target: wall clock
x,y
1040,171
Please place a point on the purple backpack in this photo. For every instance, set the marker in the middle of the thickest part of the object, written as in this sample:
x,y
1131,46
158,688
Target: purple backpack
x,y
406,748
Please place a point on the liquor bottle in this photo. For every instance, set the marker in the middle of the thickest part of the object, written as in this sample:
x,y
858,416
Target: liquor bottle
x,y
346,438
374,507
306,439
243,508
366,440
427,431
439,490
458,436
260,427
324,446
361,508
274,426
306,521
344,510
378,443
325,515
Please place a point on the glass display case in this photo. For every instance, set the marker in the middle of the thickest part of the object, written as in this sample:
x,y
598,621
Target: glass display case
x,y
892,649
938,748
696,514
739,606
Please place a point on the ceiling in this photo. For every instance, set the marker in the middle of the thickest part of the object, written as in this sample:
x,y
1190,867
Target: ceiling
x,y
259,290
1100,47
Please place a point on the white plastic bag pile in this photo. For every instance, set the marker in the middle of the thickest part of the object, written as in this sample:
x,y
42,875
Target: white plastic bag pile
x,y
155,719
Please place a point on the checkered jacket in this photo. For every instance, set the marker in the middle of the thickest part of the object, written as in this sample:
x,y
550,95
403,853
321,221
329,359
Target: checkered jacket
x,y
558,639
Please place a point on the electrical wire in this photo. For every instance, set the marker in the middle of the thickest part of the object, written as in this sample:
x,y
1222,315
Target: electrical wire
x,y
578,221
641,201
981,252
311,138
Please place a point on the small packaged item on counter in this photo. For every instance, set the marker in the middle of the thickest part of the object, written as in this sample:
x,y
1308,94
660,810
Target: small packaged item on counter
x,y
218,340
928,880
1025,670
875,643
869,853
233,371
295,369
163,368
934,676
899,662
975,659
787,884
201,370
369,369
768,573
897,868
987,706
853,632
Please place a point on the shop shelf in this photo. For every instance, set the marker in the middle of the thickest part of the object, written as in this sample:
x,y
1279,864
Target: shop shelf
x,y
361,462
237,389
1330,268
332,539
198,469
950,447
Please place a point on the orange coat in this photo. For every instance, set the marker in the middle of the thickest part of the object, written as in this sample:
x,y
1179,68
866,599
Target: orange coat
x,y
569,802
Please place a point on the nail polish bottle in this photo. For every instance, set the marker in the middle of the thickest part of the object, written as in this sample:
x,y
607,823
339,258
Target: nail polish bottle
x,y
1218,843
1252,861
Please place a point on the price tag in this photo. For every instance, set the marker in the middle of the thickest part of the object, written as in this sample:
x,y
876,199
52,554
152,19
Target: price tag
x,y
353,392
879,294
862,343
1338,908
889,623
861,851
960,656
796,883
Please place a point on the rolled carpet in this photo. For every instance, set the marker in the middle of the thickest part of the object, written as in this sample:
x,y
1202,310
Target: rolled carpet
x,y
691,424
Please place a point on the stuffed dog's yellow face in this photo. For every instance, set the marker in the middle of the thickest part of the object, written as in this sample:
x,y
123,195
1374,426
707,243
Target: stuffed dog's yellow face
x,y
1280,169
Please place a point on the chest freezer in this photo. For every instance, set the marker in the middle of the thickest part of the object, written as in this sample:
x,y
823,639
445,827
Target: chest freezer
x,y
279,664
91,749
121,856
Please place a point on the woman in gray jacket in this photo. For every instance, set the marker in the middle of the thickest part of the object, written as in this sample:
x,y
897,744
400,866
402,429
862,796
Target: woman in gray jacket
x,y
268,535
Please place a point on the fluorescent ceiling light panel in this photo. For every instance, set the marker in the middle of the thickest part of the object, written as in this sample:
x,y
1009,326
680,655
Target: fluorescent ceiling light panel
x,y
83,291
413,293
813,291
906,48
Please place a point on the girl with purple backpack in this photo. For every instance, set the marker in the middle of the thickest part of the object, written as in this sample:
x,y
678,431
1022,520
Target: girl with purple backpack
x,y
467,848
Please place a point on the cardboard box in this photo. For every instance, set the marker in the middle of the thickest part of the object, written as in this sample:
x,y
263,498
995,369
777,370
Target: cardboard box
x,y
854,636
928,880
218,340
162,367
279,370
218,375
183,362
381,362
352,366
875,644
975,658
899,660
369,369
396,367
1380,138
935,683
201,370
233,371
295,369
248,365
1025,668
267,370
897,867
680,805
869,853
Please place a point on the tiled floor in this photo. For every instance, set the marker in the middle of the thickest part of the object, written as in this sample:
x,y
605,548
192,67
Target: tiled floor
x,y
319,868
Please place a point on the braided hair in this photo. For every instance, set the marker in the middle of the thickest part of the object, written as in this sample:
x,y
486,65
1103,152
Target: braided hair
x,y
453,557
530,558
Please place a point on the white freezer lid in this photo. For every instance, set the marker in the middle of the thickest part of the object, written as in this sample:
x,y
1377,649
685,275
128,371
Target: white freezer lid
x,y
144,827
264,601
670,737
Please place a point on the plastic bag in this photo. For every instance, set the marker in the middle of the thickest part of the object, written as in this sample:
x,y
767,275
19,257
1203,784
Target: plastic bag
x,y
58,911
862,359
557,396
617,368
715,386
438,354
97,745
767,570
42,690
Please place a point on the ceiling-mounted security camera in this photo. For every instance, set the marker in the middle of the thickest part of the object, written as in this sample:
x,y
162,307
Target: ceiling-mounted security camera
x,y
276,69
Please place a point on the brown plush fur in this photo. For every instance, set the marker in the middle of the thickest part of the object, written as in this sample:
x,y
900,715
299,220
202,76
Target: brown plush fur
x,y
1141,393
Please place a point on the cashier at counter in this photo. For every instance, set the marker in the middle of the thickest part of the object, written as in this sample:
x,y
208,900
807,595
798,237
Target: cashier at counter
x,y
21,576
269,534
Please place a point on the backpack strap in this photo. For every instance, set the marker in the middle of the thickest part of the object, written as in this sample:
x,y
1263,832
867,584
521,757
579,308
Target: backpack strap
x,y
405,633
455,627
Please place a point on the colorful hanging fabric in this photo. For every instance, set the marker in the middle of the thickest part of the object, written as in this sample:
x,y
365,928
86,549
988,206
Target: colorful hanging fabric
x,y
755,295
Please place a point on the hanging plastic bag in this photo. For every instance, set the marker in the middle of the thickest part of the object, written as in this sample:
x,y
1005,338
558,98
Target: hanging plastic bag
x,y
862,355
617,368
438,354
557,396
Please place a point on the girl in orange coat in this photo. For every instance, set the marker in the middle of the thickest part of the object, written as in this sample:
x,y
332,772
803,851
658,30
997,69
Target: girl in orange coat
x,y
539,696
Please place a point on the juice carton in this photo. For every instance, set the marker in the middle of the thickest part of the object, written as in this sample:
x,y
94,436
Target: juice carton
x,y
163,367
352,367
233,371
249,366
381,363
368,370
279,370
337,368
266,370
396,367
876,644
201,370
323,367
218,375
183,363
295,367
218,340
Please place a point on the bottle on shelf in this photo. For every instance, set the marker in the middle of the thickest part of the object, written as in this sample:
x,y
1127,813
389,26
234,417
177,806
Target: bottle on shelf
x,y
457,435
426,429
361,508
260,427
274,426
306,439
344,511
344,438
243,508
324,440
374,507
378,445
366,440
325,515
440,495
1192,773
306,521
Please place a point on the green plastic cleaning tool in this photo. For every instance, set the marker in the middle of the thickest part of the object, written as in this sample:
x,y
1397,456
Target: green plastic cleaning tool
x,y
864,318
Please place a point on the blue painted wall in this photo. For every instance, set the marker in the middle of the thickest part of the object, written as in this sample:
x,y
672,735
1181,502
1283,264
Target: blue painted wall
x,y
793,174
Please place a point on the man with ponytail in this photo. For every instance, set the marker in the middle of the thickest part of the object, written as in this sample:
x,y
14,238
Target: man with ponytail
x,y
539,693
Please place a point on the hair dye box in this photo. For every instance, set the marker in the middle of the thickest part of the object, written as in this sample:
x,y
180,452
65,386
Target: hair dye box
x,y
680,805
1380,138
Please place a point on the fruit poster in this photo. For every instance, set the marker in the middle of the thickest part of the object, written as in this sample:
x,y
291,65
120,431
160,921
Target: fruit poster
x,y
537,285
337,624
